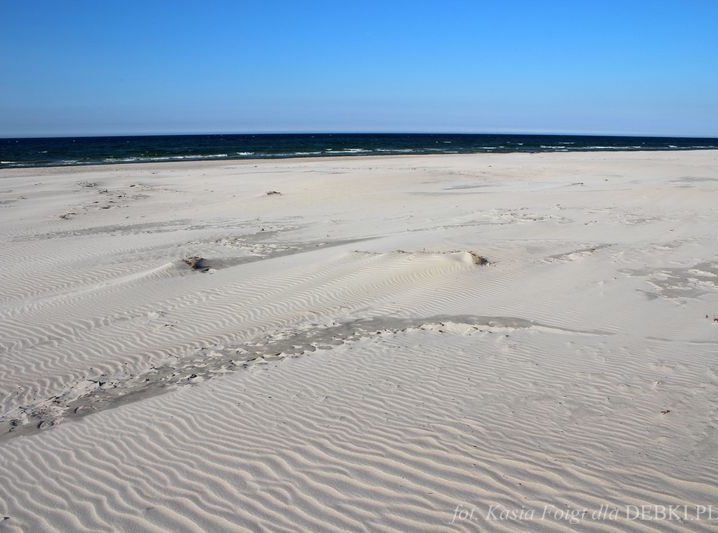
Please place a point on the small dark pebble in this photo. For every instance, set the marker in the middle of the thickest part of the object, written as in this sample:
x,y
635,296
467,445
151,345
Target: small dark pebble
x,y
193,376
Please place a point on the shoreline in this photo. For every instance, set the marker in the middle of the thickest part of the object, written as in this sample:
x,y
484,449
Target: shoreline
x,y
162,149
199,163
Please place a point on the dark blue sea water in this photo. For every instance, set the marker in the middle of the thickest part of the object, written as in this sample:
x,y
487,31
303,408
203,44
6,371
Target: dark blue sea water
x,y
38,152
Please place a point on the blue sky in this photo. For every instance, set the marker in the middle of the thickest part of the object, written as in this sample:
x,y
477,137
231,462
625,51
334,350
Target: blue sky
x,y
74,67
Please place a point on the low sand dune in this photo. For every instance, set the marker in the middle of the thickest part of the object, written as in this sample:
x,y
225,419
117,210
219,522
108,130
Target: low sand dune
x,y
341,358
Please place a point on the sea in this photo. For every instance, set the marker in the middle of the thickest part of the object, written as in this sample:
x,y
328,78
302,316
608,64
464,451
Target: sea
x,y
67,151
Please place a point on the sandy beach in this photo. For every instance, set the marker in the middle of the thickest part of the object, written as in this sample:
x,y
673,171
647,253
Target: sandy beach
x,y
490,342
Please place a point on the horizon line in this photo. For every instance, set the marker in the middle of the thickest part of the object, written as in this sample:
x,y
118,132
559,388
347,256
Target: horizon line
x,y
536,133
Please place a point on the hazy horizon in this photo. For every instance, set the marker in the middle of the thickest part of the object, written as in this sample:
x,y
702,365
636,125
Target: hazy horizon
x,y
279,133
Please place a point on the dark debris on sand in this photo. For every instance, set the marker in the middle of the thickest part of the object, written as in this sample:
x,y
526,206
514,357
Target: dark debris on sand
x,y
197,263
478,259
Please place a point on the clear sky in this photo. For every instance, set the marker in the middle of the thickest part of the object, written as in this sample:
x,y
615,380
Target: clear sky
x,y
74,67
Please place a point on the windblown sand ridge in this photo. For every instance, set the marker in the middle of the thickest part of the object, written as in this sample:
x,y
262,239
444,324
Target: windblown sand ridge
x,y
341,361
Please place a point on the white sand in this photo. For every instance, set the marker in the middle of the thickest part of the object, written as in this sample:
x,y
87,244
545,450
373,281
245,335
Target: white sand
x,y
344,364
